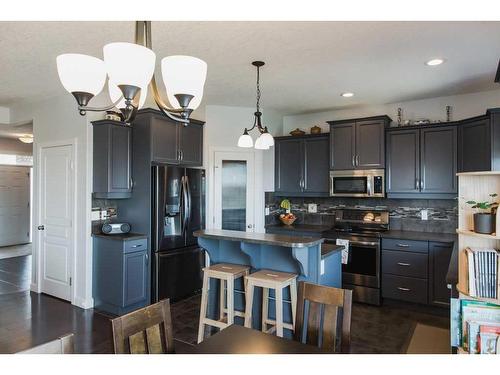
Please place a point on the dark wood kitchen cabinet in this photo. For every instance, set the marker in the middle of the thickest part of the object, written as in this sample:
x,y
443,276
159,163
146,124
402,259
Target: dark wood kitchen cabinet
x,y
439,261
474,142
422,162
301,165
358,143
173,142
112,159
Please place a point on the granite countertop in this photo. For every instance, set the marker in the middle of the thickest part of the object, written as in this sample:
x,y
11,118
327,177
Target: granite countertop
x,y
420,236
260,238
121,236
301,227
329,249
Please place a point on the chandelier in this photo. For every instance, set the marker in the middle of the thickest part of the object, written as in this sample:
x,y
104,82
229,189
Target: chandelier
x,y
130,68
265,139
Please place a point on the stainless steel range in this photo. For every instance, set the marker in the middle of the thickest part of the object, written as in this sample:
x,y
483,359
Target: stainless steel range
x,y
362,227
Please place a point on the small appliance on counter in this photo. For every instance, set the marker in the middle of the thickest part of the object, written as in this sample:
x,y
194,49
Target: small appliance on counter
x,y
115,228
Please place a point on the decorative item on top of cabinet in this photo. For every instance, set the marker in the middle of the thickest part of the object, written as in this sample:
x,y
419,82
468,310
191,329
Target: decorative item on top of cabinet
x,y
315,129
358,143
297,132
400,116
448,109
112,155
301,166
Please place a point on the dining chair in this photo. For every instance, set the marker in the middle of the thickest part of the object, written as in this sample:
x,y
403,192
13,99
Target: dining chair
x,y
328,311
144,331
63,345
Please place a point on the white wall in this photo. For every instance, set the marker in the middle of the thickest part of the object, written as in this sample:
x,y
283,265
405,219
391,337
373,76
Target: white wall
x,y
223,127
4,115
15,147
57,119
464,106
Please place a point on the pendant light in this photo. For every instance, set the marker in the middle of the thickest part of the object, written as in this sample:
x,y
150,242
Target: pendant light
x,y
265,139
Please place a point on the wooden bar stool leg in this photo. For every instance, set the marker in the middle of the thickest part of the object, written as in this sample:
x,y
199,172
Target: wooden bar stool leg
x,y
293,298
221,300
230,300
203,309
265,308
249,303
279,312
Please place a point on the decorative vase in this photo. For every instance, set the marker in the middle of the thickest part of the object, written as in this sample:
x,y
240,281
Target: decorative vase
x,y
484,223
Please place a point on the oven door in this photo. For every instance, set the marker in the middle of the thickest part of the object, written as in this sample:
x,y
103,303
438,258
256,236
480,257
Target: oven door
x,y
350,186
363,265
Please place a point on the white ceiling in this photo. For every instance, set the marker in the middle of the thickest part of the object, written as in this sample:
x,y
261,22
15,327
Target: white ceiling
x,y
308,64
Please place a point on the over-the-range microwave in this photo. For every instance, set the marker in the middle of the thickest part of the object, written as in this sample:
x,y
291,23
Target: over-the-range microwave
x,y
357,183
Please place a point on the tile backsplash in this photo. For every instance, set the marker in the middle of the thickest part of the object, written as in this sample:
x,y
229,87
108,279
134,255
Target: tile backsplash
x,y
405,214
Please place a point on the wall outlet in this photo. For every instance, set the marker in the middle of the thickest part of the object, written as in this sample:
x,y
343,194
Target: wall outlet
x,y
312,208
96,215
267,211
424,215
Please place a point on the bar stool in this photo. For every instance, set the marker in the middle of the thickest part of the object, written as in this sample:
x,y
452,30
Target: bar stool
x,y
227,274
268,279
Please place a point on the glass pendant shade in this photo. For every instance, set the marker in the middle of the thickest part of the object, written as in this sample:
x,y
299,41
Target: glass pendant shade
x,y
115,94
245,141
267,139
184,75
81,73
261,144
129,64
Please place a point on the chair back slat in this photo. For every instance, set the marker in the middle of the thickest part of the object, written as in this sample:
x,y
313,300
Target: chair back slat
x,y
326,307
144,331
330,324
313,323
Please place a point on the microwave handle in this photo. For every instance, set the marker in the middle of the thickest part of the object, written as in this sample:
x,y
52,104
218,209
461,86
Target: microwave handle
x,y
331,185
369,185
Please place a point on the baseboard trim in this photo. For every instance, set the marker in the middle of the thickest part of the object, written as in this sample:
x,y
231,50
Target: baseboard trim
x,y
84,303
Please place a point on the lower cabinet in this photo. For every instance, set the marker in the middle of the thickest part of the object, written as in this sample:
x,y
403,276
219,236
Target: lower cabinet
x,y
120,274
415,271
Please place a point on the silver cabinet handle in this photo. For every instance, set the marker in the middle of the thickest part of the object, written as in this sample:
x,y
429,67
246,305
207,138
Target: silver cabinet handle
x,y
403,245
182,155
353,160
146,259
403,289
357,160
136,246
404,264
417,184
422,184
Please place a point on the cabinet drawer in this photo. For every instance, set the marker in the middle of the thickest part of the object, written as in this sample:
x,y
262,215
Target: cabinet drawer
x,y
135,245
404,263
405,245
404,288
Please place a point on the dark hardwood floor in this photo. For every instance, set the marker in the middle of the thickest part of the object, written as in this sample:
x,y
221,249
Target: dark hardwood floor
x,y
28,319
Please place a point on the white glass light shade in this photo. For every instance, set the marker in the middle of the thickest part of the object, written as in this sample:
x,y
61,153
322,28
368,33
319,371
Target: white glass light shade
x,y
267,139
115,93
261,144
184,75
245,141
28,138
129,63
81,73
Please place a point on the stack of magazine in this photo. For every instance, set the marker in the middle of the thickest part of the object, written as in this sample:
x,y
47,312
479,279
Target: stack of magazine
x,y
475,326
483,264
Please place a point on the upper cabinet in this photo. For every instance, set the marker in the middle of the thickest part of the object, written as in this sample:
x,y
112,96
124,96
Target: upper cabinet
x,y
301,165
112,171
358,143
422,162
170,141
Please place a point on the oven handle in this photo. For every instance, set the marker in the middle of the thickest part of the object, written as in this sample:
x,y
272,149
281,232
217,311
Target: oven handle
x,y
364,243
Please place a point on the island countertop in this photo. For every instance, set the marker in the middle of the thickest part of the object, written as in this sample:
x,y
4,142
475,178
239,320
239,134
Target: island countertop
x,y
259,238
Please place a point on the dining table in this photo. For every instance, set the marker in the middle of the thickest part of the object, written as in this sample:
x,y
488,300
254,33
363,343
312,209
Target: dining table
x,y
237,339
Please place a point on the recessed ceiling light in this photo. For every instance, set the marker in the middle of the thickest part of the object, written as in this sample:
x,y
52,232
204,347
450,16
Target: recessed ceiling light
x,y
347,94
434,62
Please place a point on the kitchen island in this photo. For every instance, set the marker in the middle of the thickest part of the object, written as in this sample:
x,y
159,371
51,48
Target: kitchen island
x,y
308,257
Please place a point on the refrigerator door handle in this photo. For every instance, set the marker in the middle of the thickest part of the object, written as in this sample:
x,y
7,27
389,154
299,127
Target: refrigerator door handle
x,y
188,195
184,204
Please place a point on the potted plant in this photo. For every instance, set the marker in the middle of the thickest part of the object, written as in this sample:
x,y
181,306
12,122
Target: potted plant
x,y
484,222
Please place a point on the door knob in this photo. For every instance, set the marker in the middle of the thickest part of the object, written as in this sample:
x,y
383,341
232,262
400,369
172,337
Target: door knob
x,y
41,227
249,226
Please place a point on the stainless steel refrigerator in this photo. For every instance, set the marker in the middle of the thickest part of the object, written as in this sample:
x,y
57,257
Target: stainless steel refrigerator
x,y
178,211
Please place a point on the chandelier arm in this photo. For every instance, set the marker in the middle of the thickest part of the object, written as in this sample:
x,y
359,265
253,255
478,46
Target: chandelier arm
x,y
100,109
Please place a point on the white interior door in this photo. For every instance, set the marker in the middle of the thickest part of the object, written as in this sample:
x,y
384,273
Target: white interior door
x,y
14,205
234,188
57,206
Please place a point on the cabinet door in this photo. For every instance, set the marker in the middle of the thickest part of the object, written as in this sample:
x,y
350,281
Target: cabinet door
x,y
288,165
438,160
342,146
316,166
403,164
120,159
164,141
191,144
370,144
439,261
135,277
474,145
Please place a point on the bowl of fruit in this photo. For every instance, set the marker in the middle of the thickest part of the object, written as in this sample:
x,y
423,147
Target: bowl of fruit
x,y
288,219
